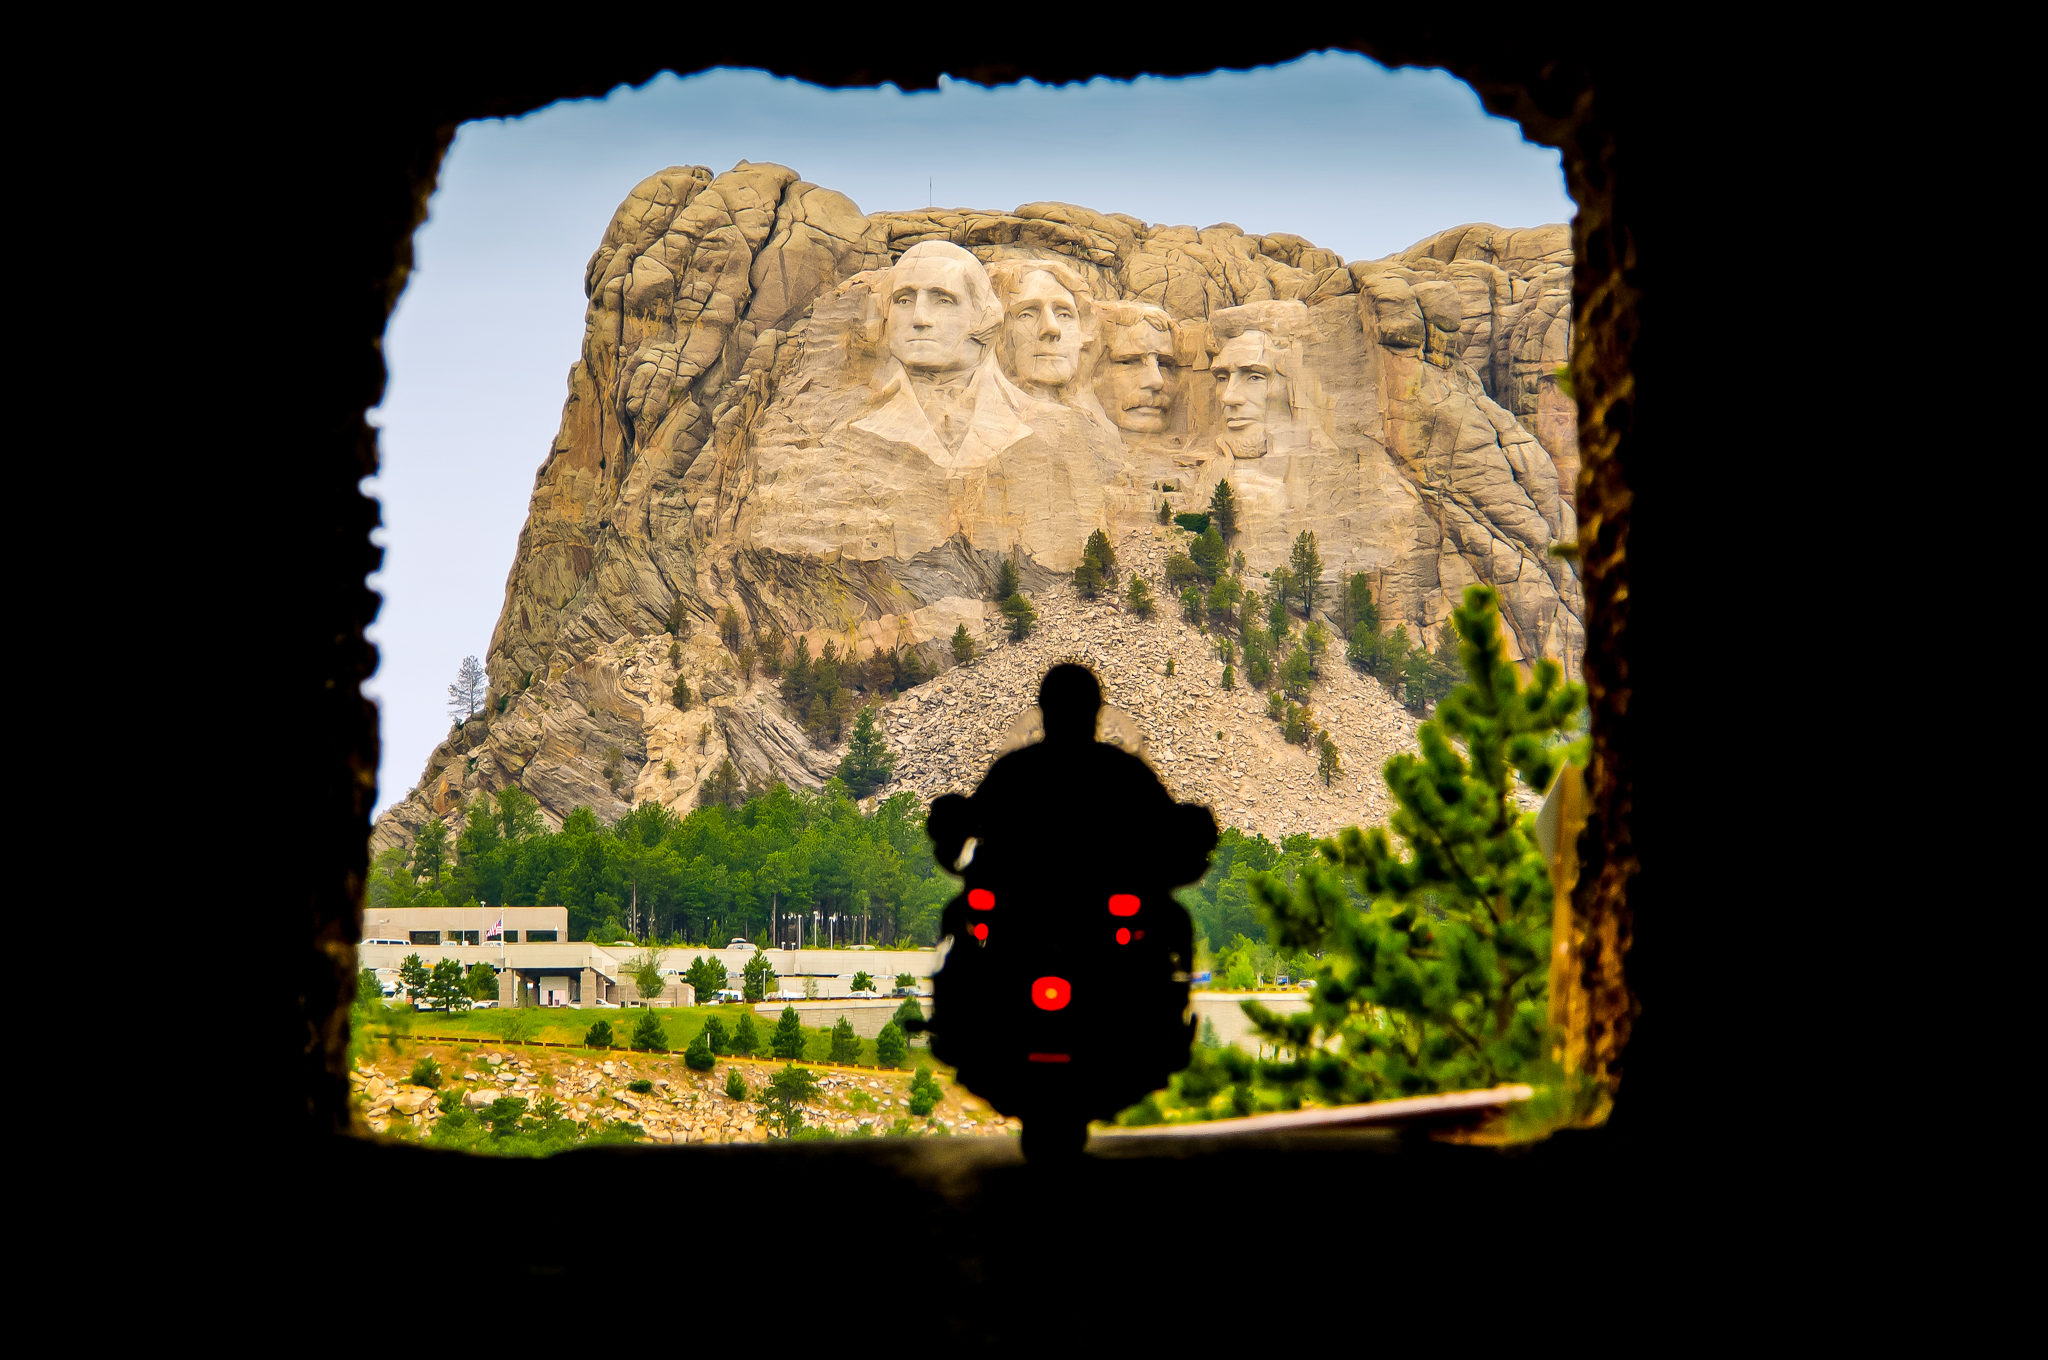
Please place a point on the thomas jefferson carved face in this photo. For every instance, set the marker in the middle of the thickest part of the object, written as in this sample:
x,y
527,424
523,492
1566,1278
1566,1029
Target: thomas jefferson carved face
x,y
934,309
1045,331
1246,380
1141,372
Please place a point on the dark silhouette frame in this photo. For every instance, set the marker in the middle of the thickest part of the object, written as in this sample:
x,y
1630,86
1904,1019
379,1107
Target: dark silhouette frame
x,y
369,130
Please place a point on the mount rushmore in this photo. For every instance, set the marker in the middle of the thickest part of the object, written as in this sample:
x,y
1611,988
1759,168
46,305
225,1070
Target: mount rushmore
x,y
836,426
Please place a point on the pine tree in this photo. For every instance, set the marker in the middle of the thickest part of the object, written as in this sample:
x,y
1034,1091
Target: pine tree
x,y
757,978
869,763
1230,677
788,1092
679,619
1223,510
716,1037
1006,580
648,1034
735,1084
788,1040
772,644
799,677
1088,579
680,695
413,977
469,692
890,1047
722,789
1138,599
675,654
1276,705
729,629
745,1040
925,1093
1102,553
818,716
839,710
1329,762
698,1057
1169,665
1297,673
845,1043
1209,554
1276,609
1437,980
599,1035
1306,566
430,851
1165,513
1022,616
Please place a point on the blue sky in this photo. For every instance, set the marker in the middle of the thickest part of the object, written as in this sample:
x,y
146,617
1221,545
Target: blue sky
x,y
1357,158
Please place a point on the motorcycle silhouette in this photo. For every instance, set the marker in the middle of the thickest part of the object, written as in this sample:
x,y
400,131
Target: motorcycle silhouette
x,y
1064,993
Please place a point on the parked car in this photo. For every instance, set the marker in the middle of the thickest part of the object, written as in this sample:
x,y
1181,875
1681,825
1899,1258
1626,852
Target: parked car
x,y
737,943
867,994
728,997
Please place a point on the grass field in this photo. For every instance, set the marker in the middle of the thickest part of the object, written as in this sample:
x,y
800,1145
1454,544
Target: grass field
x,y
567,1027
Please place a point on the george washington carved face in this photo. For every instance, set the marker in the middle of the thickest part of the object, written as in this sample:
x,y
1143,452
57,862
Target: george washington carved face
x,y
938,305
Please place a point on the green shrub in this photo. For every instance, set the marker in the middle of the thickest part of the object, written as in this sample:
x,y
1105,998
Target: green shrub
x,y
598,1035
426,1072
640,1086
716,1037
1194,524
698,1057
746,1039
891,1048
735,1084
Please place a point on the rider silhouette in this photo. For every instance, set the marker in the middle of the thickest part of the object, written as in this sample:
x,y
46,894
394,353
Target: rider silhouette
x,y
1077,849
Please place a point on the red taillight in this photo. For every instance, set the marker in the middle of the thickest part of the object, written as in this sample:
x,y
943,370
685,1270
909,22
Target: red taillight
x,y
981,930
981,899
1123,935
1051,993
1123,904
1049,1057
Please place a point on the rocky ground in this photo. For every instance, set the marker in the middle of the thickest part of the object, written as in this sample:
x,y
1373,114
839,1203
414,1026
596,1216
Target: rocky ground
x,y
683,1107
1210,745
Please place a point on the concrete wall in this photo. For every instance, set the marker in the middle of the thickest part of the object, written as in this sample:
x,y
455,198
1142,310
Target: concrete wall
x,y
1226,1011
868,1017
832,968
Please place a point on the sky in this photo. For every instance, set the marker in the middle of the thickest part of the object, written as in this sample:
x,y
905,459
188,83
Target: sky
x,y
1359,159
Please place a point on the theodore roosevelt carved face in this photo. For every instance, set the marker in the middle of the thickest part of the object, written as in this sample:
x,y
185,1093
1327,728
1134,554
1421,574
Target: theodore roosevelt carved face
x,y
1140,368
938,305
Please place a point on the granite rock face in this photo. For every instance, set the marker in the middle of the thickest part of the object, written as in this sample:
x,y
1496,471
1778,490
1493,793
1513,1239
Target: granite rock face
x,y
839,424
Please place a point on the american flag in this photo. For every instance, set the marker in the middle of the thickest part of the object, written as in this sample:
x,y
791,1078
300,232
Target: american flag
x,y
496,932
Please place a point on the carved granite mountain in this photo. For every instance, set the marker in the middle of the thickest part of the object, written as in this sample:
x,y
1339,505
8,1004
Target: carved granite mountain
x,y
838,425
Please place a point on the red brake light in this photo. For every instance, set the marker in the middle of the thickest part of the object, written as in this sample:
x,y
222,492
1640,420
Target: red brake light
x,y
1049,1057
1123,935
1123,904
981,899
1051,993
981,930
